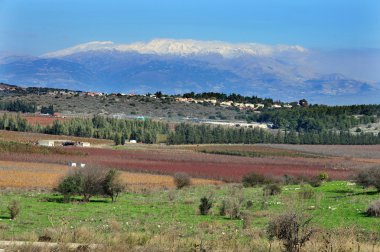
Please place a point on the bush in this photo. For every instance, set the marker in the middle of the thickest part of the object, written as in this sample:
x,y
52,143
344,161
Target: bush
x,y
253,179
205,206
112,185
315,182
306,192
323,176
231,207
291,230
232,204
246,217
181,179
249,204
14,209
272,189
92,182
369,177
70,185
89,182
293,180
374,209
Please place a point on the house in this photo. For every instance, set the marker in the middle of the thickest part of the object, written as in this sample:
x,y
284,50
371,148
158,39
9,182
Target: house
x,y
84,144
49,143
72,164
276,106
82,165
212,101
132,141
250,105
226,103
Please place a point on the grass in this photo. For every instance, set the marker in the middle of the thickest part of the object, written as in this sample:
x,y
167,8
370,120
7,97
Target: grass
x,y
336,205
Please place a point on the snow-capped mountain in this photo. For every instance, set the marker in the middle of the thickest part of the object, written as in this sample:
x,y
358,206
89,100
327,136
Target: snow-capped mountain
x,y
286,72
181,48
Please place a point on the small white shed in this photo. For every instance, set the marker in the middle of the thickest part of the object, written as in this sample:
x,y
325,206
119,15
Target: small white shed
x,y
72,164
84,144
46,143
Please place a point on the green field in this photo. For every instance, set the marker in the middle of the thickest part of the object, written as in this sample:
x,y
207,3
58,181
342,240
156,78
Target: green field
x,y
142,219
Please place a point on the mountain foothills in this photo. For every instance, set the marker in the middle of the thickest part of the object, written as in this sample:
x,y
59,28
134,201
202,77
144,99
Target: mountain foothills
x,y
178,66
190,118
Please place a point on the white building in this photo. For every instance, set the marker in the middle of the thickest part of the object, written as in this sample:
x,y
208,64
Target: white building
x,y
49,143
84,144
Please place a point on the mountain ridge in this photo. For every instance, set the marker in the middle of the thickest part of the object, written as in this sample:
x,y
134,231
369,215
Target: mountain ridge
x,y
281,72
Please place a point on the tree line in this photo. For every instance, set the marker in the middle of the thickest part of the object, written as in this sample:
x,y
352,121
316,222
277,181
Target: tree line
x,y
318,118
148,131
231,97
206,134
18,106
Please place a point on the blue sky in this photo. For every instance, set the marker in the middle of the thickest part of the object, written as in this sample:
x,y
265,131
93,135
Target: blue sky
x,y
38,26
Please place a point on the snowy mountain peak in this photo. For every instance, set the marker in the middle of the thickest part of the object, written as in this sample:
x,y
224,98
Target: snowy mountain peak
x,y
183,47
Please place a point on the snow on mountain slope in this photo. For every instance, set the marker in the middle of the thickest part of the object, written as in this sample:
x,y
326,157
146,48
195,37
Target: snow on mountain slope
x,y
181,48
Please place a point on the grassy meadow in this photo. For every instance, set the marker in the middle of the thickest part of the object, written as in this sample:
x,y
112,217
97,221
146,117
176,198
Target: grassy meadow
x,y
166,220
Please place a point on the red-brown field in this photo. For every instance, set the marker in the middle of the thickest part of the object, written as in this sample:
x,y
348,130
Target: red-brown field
x,y
349,151
27,137
43,120
168,160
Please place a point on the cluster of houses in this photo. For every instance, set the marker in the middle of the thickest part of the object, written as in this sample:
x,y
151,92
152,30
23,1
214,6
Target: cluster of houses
x,y
52,143
242,106
241,124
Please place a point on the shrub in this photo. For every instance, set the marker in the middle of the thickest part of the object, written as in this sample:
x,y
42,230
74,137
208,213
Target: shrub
x,y
92,182
205,206
253,179
86,182
246,217
112,185
315,182
291,230
306,192
233,208
249,204
70,185
323,176
232,204
293,180
181,179
374,209
14,209
369,177
272,189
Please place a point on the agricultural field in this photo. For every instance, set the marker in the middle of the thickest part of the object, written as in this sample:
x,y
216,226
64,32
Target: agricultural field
x,y
28,137
42,120
347,151
220,162
168,160
153,215
45,176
